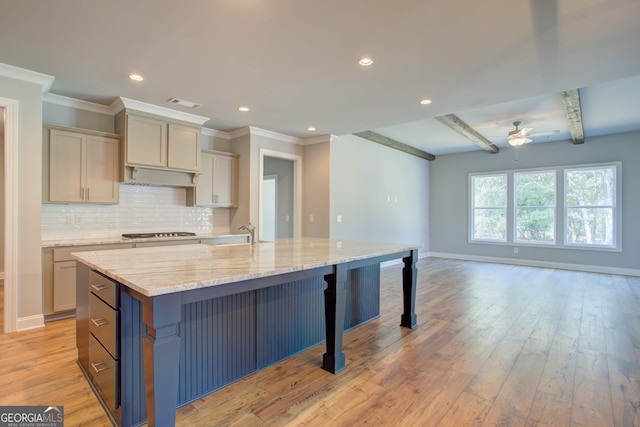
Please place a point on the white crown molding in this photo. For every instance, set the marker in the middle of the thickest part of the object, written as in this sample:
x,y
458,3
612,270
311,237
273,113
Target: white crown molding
x,y
318,139
216,133
544,264
44,80
78,104
252,130
121,103
239,132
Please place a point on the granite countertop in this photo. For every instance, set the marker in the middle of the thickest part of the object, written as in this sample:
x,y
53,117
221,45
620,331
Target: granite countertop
x,y
168,269
119,239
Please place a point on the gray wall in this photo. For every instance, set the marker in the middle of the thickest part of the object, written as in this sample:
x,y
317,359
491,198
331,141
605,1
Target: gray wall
x,y
316,190
283,168
382,194
449,199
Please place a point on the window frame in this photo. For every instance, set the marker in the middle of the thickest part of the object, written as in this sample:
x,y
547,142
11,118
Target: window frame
x,y
559,213
473,208
615,206
554,207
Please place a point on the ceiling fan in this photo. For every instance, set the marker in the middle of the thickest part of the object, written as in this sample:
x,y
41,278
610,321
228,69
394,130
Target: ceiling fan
x,y
518,137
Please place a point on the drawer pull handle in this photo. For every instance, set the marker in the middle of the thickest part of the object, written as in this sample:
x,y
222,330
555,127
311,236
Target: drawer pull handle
x,y
100,322
99,367
99,287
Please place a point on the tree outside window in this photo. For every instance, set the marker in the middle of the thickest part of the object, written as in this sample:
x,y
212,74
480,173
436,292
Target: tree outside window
x,y
535,206
590,198
489,201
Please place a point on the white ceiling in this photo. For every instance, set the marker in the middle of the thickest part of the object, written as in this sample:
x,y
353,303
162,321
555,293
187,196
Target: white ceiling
x,y
294,63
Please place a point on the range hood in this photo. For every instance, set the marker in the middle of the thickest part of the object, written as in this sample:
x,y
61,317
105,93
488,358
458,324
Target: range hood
x,y
161,178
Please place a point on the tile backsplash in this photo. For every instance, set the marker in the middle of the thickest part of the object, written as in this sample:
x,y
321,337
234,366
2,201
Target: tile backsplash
x,y
141,209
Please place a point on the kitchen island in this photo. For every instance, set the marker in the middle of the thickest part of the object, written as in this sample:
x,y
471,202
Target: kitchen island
x,y
172,324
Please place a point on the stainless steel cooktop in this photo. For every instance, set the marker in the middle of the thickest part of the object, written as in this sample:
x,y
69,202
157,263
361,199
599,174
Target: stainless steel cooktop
x,y
152,235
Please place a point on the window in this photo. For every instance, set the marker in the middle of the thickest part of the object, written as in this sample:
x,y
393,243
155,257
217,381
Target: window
x,y
590,200
574,207
489,204
535,204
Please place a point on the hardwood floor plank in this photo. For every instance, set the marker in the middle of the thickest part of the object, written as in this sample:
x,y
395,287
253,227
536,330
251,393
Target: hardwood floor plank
x,y
549,410
496,345
624,398
591,403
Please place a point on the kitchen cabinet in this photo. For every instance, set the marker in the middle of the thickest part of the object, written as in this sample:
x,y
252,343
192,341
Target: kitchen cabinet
x,y
59,277
80,166
218,181
97,336
154,144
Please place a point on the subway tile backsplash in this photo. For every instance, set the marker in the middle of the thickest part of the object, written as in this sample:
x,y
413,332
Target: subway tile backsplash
x,y
141,209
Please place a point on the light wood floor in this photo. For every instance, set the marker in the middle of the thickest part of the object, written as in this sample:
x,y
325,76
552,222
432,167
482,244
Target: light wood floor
x,y
495,345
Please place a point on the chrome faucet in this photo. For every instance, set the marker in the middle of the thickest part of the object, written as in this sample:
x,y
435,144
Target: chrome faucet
x,y
252,231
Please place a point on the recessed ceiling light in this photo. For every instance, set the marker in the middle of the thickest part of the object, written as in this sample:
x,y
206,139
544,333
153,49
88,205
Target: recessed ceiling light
x,y
244,108
311,129
365,62
425,101
136,77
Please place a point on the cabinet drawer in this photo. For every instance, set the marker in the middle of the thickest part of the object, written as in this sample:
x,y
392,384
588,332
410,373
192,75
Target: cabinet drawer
x,y
104,372
105,288
104,325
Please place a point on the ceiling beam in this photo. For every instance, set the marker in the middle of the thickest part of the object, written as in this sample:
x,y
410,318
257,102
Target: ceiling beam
x,y
389,142
456,123
571,102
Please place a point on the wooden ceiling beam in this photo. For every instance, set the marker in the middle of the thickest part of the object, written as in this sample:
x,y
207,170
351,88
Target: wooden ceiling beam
x,y
457,124
392,143
571,102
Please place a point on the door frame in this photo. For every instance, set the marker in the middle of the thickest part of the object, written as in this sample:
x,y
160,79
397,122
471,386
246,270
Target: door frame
x,y
297,188
10,212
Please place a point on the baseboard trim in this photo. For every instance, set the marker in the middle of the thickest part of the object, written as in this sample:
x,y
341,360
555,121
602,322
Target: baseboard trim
x,y
544,264
30,322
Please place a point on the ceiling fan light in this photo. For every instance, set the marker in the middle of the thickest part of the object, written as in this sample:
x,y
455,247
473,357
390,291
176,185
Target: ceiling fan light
x,y
518,141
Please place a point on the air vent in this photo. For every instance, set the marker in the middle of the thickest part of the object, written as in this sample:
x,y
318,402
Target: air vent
x,y
184,103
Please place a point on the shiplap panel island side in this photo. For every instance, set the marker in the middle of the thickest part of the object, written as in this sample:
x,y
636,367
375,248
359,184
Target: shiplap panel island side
x,y
160,327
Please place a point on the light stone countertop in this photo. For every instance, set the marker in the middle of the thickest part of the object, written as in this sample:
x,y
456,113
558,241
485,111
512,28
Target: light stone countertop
x,y
168,269
119,239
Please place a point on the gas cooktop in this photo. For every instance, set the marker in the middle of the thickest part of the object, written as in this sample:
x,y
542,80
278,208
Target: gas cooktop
x,y
152,235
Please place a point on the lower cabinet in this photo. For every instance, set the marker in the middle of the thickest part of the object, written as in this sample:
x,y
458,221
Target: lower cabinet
x,y
222,339
59,269
98,335
59,277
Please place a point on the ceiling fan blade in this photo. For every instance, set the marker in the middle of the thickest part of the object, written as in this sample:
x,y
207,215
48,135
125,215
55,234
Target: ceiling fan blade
x,y
525,131
546,132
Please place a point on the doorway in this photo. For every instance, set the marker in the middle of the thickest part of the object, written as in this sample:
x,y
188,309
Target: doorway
x,y
286,170
269,207
9,209
2,179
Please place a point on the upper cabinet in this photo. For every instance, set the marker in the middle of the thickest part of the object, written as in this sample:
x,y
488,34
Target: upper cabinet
x,y
218,181
79,166
160,146
153,143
